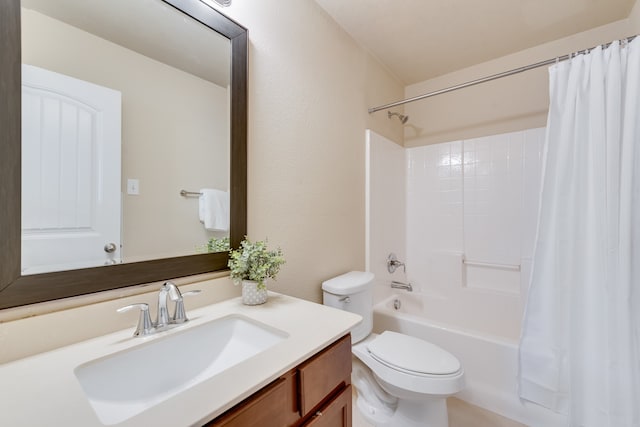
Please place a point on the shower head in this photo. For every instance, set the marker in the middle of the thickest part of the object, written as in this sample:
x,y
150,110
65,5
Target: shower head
x,y
401,117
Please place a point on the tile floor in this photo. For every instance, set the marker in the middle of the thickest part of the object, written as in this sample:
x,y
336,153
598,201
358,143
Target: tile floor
x,y
461,414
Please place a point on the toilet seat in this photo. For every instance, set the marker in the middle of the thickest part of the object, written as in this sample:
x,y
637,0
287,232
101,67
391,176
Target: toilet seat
x,y
403,383
412,355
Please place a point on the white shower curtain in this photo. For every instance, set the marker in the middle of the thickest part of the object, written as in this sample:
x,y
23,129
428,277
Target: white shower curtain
x,y
580,343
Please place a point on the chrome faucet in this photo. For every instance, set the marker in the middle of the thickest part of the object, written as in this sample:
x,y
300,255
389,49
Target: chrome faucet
x,y
168,291
401,285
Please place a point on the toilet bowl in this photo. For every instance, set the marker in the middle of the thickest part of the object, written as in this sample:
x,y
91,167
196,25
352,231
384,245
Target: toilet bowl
x,y
401,381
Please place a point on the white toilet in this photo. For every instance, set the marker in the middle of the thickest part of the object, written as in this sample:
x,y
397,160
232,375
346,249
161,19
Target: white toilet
x,y
401,381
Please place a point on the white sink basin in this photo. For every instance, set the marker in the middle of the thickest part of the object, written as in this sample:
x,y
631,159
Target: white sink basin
x,y
124,384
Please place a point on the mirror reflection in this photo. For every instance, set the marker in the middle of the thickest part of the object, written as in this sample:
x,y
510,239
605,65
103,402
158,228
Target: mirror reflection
x,y
125,134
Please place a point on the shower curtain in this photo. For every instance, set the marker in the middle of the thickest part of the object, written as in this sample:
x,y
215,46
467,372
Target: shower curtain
x,y
580,343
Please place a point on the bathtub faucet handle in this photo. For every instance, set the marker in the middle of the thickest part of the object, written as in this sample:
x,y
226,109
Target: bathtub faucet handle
x,y
393,263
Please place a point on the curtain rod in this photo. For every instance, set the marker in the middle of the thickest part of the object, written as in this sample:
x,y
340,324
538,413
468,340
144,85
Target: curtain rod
x,y
488,78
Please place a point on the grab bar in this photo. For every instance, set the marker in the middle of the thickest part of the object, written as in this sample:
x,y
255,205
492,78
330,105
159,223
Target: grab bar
x,y
511,267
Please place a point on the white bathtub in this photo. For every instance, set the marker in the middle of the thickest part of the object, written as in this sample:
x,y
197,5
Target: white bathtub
x,y
490,363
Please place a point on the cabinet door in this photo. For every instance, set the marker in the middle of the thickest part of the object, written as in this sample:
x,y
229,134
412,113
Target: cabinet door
x,y
325,373
337,413
266,408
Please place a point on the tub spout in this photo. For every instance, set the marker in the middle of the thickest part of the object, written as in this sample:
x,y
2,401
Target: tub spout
x,y
401,285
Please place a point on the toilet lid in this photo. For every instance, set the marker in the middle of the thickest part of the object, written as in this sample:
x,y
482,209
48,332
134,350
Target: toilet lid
x,y
412,354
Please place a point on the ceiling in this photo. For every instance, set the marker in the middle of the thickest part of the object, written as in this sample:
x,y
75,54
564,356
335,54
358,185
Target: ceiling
x,y
421,39
150,28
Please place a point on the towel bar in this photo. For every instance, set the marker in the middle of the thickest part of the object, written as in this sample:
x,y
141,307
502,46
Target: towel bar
x,y
185,193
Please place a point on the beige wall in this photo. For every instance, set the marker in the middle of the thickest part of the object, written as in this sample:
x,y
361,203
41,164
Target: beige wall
x,y
509,104
634,17
310,86
309,89
174,132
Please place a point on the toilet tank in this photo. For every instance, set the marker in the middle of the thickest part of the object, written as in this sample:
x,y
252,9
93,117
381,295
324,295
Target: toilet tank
x,y
352,292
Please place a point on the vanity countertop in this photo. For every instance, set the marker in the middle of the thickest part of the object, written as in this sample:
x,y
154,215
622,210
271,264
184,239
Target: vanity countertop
x,y
43,389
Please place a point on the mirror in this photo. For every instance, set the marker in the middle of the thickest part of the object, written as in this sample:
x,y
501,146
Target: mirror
x,y
110,86
204,105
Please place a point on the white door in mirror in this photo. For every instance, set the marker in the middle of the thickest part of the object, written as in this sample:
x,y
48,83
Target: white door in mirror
x,y
71,142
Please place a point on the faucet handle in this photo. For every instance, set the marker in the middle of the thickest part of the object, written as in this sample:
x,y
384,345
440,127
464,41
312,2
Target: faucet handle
x,y
179,315
145,327
191,293
393,263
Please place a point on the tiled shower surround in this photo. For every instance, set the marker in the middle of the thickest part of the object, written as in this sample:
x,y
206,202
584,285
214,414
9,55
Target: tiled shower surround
x,y
474,201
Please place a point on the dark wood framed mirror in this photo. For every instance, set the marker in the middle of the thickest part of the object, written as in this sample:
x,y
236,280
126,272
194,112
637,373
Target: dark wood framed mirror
x,y
17,289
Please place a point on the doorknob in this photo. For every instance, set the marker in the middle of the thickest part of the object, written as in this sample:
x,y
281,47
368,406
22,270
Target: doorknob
x,y
110,248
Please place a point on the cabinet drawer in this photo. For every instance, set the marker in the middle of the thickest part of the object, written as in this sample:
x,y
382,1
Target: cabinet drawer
x,y
337,413
324,374
267,408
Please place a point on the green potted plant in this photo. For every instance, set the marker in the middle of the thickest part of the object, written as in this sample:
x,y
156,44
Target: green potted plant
x,y
252,264
215,245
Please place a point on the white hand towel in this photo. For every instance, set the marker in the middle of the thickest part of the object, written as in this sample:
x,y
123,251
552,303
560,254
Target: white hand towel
x,y
214,209
201,207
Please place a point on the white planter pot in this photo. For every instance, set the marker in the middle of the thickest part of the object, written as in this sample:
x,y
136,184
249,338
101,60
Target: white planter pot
x,y
251,295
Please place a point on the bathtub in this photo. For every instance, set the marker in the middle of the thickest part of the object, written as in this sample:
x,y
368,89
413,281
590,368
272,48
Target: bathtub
x,y
490,363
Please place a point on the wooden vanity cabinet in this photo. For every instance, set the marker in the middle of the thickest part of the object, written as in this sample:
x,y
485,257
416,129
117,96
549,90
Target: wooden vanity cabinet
x,y
337,413
316,393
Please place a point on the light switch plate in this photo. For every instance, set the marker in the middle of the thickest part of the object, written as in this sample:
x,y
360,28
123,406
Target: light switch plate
x,y
133,187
